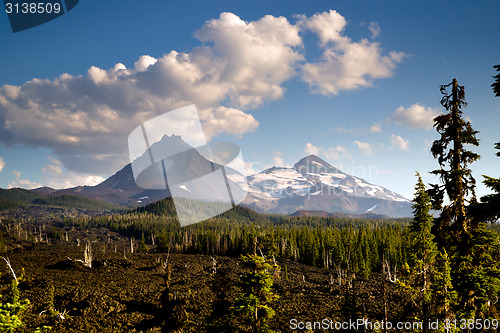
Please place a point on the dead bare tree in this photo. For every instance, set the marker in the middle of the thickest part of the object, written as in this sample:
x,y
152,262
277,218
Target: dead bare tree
x,y
87,255
386,268
7,261
340,274
262,254
214,265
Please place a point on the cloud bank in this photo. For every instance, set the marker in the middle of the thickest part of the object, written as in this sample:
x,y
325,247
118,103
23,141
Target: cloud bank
x,y
85,119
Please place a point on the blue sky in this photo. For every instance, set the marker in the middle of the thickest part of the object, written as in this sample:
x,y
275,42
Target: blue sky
x,y
356,82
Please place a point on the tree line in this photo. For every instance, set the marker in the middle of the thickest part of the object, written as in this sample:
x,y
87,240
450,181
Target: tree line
x,y
446,263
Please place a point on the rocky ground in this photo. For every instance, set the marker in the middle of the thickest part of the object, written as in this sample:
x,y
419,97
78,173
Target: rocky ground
x,y
122,291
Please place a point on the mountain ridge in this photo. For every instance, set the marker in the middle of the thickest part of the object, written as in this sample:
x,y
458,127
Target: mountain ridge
x,y
312,184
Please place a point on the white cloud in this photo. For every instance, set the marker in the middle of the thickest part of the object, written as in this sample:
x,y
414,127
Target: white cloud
x,y
51,169
365,148
228,120
86,119
72,179
345,64
337,153
278,158
257,56
22,183
416,116
54,176
400,143
54,161
329,26
252,168
376,128
311,149
2,164
332,153
374,29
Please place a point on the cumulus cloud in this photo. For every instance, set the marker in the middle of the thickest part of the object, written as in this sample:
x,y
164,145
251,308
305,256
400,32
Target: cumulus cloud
x,y
400,143
376,128
332,153
257,57
85,119
337,153
365,148
22,183
54,175
2,164
416,116
311,149
278,158
345,64
374,29
228,120
329,26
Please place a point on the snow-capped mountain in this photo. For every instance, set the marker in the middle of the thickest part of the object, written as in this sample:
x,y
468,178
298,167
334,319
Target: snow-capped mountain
x,y
313,184
188,164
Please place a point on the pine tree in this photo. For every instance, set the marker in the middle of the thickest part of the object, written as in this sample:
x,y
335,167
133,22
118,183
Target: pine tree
x,y
474,274
457,181
422,255
254,302
12,309
490,204
477,275
444,295
489,208
496,84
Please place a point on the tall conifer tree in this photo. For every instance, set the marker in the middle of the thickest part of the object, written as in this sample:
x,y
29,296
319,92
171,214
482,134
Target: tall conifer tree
x,y
422,255
462,233
489,208
458,184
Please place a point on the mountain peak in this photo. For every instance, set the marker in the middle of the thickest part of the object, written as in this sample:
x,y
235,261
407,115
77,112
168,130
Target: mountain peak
x,y
315,185
315,158
314,164
274,168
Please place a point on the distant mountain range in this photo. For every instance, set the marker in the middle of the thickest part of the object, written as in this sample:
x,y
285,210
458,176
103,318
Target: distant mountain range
x,y
310,185
314,185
